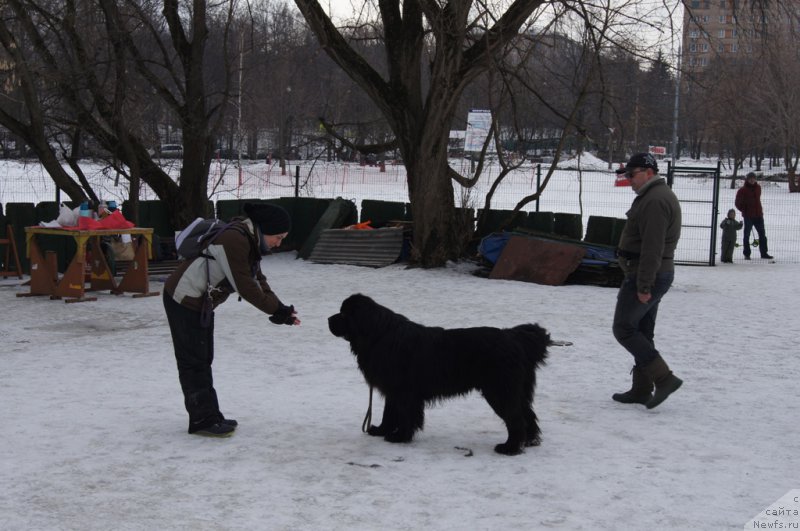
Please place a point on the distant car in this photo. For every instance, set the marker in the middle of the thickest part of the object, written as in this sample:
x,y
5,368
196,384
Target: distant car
x,y
289,155
229,154
170,151
540,159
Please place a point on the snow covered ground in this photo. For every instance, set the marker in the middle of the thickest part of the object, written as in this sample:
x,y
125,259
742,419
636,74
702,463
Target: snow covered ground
x,y
94,431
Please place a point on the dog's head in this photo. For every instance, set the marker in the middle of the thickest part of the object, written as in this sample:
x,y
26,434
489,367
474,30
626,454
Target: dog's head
x,y
355,318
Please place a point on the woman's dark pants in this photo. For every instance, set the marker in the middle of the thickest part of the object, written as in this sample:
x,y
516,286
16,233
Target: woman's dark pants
x,y
194,352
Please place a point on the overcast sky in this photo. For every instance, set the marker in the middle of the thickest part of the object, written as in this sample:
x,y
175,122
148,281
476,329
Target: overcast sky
x,y
654,29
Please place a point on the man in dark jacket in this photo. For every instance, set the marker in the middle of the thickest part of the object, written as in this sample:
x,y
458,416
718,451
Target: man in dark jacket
x,y
646,255
230,263
748,201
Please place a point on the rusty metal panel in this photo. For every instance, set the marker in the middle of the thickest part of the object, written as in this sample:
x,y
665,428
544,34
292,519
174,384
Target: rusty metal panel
x,y
536,260
373,248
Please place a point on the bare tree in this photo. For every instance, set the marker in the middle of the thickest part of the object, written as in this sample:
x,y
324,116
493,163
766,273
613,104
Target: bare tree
x,y
106,60
731,108
778,88
29,95
461,38
434,51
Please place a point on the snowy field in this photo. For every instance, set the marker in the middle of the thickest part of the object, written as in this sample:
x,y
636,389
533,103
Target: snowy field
x,y
94,431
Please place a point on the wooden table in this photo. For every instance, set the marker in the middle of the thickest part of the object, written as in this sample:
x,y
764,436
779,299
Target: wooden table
x,y
72,285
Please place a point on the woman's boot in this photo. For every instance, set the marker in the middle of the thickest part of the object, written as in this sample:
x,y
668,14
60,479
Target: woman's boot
x,y
666,382
641,388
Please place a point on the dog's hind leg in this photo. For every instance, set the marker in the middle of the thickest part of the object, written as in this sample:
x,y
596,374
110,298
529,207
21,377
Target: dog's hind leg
x,y
533,435
515,424
516,436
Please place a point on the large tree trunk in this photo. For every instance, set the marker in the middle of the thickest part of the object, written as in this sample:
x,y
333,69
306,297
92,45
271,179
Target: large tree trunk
x,y
436,237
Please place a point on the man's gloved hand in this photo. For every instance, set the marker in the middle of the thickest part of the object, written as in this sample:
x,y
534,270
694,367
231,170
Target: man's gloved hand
x,y
284,315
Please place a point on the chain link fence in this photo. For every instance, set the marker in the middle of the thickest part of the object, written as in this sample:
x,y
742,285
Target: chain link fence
x,y
592,192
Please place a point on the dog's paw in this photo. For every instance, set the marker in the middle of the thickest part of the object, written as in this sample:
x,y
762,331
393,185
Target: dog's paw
x,y
508,449
376,431
536,441
398,437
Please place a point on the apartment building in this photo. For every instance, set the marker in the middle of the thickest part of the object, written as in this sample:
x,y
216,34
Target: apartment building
x,y
731,29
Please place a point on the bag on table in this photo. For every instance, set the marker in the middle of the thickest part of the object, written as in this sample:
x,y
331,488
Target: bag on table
x,y
123,250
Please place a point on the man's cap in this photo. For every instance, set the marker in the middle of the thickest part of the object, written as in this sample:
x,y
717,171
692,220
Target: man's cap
x,y
270,219
640,160
751,174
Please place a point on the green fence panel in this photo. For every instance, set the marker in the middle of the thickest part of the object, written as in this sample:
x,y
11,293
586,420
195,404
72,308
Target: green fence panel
x,y
604,230
540,222
64,247
569,225
21,215
616,231
47,211
155,214
499,220
307,212
339,213
227,209
599,229
152,214
379,212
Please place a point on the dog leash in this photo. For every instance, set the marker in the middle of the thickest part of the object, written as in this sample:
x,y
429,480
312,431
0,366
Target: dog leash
x,y
368,417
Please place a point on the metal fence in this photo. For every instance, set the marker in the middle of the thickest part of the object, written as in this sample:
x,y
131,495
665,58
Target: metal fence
x,y
588,192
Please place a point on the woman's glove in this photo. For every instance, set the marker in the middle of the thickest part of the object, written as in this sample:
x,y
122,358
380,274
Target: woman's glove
x,y
284,315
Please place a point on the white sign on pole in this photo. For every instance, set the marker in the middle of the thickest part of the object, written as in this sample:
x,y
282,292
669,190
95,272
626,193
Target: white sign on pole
x,y
479,124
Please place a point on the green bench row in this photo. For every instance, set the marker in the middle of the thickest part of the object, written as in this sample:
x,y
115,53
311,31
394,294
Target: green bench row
x,y
305,213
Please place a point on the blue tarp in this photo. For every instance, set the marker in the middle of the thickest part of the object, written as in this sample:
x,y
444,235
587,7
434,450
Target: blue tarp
x,y
491,247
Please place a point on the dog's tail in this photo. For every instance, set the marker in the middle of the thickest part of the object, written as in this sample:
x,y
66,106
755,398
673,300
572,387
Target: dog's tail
x,y
535,340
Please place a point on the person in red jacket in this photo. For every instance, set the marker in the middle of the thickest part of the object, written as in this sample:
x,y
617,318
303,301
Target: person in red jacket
x,y
748,201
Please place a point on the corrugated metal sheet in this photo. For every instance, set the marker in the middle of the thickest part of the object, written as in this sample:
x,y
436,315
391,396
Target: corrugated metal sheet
x,y
373,248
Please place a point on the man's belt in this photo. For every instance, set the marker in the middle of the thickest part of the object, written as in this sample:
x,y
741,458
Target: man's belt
x,y
627,254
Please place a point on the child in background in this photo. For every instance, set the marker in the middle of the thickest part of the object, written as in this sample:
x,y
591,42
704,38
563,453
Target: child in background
x,y
729,227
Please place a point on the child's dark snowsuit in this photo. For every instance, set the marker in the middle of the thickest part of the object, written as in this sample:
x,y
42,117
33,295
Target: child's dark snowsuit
x,y
729,227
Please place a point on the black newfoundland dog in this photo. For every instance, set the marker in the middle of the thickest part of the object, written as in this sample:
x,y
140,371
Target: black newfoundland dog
x,y
411,365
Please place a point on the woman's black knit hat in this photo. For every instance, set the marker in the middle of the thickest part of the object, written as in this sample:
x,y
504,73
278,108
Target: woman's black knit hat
x,y
270,219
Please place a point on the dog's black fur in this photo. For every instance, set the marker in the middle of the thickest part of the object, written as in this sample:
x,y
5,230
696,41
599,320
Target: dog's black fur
x,y
411,365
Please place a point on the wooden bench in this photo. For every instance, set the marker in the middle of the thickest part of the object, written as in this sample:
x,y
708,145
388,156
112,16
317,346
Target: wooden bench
x,y
154,267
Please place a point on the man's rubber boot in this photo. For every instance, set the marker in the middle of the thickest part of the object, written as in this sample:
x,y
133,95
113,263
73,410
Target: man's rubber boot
x,y
666,382
216,430
641,389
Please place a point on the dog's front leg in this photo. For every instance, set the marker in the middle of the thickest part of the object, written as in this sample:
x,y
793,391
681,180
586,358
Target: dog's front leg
x,y
410,413
388,423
